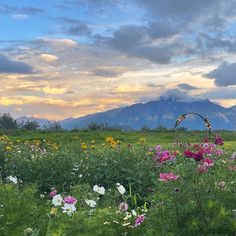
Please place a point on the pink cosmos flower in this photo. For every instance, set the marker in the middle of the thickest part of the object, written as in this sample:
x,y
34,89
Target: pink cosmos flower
x,y
53,193
70,200
198,156
168,176
188,153
208,162
202,169
123,206
139,220
219,140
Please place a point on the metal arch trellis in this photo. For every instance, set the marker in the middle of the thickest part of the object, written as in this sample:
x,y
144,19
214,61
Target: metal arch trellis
x,y
183,116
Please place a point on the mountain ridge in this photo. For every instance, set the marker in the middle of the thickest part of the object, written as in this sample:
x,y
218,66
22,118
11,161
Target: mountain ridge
x,y
163,111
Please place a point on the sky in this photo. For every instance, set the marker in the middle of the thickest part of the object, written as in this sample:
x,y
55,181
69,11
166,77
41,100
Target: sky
x,y
69,58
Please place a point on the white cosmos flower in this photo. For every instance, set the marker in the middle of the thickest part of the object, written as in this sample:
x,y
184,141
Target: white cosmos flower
x,y
120,188
57,200
13,179
69,208
100,190
134,213
90,203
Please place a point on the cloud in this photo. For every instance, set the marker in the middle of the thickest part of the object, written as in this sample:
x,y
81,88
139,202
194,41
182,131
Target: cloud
x,y
10,66
48,57
224,74
109,71
138,41
186,87
19,16
14,10
75,27
220,93
55,41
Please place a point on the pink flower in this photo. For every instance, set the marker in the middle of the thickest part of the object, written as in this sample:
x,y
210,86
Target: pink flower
x,y
53,193
208,162
168,176
198,156
202,169
123,206
188,153
219,140
70,200
139,220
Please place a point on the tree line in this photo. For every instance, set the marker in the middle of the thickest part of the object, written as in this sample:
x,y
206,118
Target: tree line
x,y
7,122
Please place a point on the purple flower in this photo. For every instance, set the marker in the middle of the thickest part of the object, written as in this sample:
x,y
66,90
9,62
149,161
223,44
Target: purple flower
x,y
123,206
70,200
139,220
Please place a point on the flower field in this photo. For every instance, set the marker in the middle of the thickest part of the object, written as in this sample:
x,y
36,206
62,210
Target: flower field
x,y
116,184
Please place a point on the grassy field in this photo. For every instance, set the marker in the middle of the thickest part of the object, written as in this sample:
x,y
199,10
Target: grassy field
x,y
110,183
151,138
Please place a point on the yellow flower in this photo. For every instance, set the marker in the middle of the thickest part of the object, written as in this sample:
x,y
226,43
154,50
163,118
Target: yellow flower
x,y
92,142
109,139
8,148
142,140
53,211
150,153
84,146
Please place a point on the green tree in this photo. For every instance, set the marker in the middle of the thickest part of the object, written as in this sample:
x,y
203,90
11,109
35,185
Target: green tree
x,y
7,122
30,125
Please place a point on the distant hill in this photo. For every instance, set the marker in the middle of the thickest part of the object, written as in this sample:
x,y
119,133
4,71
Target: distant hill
x,y
161,112
41,122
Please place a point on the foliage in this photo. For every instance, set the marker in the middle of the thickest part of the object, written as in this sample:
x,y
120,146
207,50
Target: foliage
x,y
114,187
7,122
30,125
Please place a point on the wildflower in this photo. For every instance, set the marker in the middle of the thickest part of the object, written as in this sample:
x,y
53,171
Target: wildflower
x,y
53,193
198,156
130,145
123,206
12,179
84,146
188,153
120,188
8,148
69,208
233,157
219,140
53,211
139,220
168,176
57,200
91,203
100,190
208,162
134,213
42,196
221,184
28,231
202,169
70,200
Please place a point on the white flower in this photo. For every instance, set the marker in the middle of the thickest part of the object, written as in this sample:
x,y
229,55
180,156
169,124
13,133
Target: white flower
x,y
90,203
80,176
134,213
100,190
120,188
57,200
69,208
13,179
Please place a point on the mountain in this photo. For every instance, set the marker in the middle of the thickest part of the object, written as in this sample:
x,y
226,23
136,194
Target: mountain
x,y
42,122
164,112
